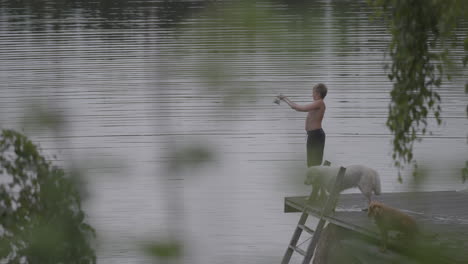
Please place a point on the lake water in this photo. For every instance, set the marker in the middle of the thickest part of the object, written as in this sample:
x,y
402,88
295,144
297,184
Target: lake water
x,y
135,83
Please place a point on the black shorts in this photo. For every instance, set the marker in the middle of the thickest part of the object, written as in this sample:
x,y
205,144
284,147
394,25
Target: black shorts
x,y
315,146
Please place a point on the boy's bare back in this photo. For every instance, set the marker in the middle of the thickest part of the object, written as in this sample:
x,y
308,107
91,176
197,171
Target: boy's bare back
x,y
315,115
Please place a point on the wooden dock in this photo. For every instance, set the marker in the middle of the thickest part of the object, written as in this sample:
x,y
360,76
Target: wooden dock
x,y
442,215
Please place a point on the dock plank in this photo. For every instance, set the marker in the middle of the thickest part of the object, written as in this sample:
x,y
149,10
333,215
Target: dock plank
x,y
443,214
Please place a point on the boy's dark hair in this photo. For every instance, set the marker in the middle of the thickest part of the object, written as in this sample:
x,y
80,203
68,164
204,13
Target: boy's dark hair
x,y
321,89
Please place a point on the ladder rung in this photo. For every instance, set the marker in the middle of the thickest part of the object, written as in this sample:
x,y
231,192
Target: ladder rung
x,y
305,228
298,250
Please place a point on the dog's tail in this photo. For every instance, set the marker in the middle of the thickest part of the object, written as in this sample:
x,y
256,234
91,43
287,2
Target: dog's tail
x,y
376,179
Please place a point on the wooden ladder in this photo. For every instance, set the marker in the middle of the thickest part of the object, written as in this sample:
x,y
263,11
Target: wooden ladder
x,y
329,207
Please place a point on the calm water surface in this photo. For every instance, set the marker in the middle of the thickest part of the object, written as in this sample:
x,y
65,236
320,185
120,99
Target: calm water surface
x,y
137,82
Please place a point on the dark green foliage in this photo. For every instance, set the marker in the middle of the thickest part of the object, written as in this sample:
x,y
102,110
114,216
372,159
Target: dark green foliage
x,y
41,216
465,172
422,34
164,250
190,156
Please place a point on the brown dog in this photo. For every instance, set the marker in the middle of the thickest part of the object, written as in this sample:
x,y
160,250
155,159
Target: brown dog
x,y
387,218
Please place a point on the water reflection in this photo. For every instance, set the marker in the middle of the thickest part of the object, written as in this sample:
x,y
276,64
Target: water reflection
x,y
104,14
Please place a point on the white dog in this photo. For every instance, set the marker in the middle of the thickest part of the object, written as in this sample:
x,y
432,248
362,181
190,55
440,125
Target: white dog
x,y
362,177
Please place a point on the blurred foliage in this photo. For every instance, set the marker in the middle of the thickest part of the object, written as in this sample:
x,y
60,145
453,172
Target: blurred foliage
x,y
465,172
40,208
41,115
164,250
190,156
422,32
347,246
184,159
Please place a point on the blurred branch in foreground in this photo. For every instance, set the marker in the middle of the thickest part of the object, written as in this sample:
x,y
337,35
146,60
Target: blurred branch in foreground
x,y
423,33
42,220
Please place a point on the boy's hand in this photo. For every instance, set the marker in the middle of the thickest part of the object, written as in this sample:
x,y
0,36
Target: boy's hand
x,y
281,97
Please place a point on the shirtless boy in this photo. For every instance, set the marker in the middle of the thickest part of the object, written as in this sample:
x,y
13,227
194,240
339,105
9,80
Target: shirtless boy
x,y
313,124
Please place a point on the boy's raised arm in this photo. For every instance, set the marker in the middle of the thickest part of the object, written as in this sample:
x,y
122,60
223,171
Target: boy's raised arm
x,y
297,107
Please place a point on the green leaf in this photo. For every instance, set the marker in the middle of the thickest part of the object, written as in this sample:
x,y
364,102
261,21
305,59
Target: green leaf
x,y
164,250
